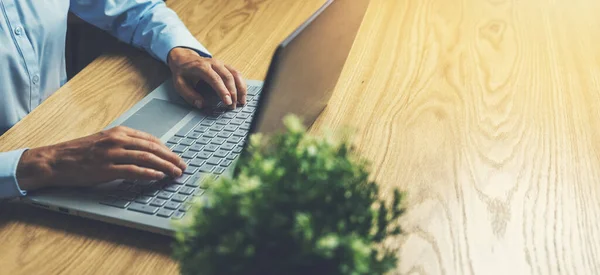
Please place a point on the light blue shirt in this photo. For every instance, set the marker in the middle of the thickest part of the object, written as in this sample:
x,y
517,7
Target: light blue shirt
x,y
32,52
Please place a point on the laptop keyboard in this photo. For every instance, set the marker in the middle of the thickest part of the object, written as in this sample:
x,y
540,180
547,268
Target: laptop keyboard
x,y
208,144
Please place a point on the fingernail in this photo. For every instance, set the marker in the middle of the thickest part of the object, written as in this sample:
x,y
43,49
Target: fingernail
x,y
176,172
228,100
160,175
198,104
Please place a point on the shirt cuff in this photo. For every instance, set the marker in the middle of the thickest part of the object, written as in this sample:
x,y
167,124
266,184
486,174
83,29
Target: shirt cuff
x,y
180,38
9,188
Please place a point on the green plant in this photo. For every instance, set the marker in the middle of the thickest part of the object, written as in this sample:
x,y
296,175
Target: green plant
x,y
297,204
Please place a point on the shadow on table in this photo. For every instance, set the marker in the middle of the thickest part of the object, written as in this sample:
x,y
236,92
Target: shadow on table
x,y
23,213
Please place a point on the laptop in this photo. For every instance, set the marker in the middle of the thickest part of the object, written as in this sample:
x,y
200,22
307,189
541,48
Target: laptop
x,y
301,78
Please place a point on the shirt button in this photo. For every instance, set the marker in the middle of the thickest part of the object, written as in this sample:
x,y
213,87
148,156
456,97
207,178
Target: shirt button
x,y
36,79
18,30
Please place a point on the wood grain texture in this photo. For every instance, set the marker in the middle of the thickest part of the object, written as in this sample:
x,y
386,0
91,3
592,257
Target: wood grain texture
x,y
241,33
487,113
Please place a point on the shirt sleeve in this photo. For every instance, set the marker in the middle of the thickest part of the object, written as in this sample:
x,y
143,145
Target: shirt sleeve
x,y
146,24
9,188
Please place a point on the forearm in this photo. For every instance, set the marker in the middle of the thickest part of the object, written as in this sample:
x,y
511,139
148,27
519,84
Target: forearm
x,y
147,24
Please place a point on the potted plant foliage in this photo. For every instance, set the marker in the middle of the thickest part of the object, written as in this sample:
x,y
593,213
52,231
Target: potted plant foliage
x,y
297,204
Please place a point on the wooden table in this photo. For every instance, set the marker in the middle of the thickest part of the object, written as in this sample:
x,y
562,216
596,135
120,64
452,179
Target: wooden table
x,y
486,112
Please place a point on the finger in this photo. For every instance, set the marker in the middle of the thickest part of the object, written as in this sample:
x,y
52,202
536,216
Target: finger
x,y
133,172
157,149
240,83
189,94
229,81
141,135
216,82
146,160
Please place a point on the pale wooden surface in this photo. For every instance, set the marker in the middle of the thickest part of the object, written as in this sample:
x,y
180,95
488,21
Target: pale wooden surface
x,y
486,112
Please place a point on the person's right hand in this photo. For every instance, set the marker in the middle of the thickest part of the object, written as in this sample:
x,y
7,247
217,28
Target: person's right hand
x,y
118,153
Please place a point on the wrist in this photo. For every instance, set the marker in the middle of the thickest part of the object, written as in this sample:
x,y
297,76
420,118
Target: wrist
x,y
180,55
34,169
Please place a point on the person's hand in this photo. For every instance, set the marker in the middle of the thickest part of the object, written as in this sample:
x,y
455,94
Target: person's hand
x,y
118,153
189,68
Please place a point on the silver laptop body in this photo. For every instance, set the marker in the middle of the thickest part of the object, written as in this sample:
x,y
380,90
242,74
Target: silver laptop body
x,y
301,78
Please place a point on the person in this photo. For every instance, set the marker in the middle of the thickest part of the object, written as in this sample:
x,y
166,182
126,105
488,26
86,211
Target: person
x,y
33,34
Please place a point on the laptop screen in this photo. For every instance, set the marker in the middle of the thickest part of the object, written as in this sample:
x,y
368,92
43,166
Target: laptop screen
x,y
307,65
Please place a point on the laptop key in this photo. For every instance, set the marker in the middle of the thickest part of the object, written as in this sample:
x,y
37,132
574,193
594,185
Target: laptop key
x,y
245,126
240,133
248,109
151,192
188,127
158,202
194,180
194,135
219,170
253,103
204,155
178,215
201,129
182,179
243,115
179,149
214,161
217,128
221,154
226,163
234,139
172,205
228,146
186,190
211,148
189,155
223,121
143,199
237,121
172,187
207,168
238,149
254,90
179,198
142,208
230,128
197,162
174,140
187,142
196,147
232,156
210,134
165,213
203,141
115,202
224,134
190,170
217,141
185,207
208,122
165,195
171,145
229,115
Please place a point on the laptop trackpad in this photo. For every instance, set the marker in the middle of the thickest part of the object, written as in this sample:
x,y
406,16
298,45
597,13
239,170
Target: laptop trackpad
x,y
157,117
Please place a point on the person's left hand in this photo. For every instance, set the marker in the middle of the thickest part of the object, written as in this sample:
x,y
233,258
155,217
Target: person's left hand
x,y
189,68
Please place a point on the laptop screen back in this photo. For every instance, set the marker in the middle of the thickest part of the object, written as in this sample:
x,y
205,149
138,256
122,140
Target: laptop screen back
x,y
307,65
